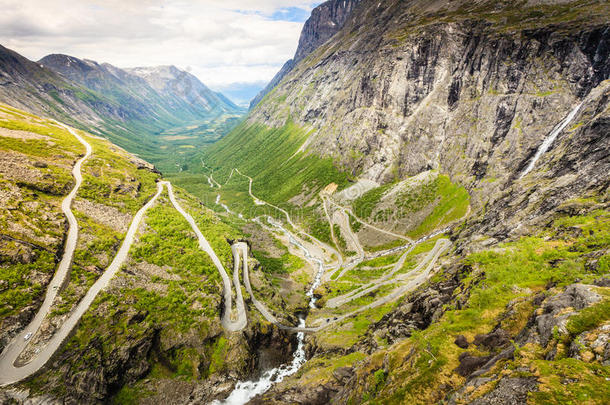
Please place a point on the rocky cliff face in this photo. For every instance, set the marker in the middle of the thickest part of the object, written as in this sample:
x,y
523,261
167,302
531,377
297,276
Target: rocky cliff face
x,y
472,90
326,20
469,89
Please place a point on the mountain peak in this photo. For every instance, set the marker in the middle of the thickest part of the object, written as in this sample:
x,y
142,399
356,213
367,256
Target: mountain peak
x,y
325,21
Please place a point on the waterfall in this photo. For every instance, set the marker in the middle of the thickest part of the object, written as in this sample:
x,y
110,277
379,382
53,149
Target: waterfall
x,y
550,139
244,391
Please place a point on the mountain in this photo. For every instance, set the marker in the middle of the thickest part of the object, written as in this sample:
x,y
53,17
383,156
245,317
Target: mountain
x,y
419,212
471,91
242,93
29,85
325,21
118,104
185,88
484,121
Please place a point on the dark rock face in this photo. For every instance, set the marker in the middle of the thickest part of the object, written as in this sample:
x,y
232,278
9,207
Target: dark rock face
x,y
557,310
509,391
469,363
325,21
461,342
493,340
343,374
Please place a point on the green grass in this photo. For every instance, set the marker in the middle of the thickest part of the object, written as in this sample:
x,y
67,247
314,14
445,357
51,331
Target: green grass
x,y
450,202
363,206
340,239
20,291
219,353
285,264
317,225
269,156
509,273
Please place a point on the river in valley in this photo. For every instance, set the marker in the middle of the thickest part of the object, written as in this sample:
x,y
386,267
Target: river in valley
x,y
244,391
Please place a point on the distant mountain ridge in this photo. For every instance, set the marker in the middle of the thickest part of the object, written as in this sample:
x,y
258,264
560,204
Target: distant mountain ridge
x,y
131,107
164,88
172,81
34,87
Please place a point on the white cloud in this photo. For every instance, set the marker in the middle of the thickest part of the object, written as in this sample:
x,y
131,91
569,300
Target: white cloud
x,y
221,41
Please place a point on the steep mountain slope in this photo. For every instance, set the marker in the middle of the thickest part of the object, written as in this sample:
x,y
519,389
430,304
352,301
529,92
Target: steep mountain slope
x,y
29,85
485,121
119,105
158,318
470,90
325,21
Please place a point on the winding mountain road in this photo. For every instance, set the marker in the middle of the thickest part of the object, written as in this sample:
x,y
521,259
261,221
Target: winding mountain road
x,y
332,229
321,244
440,246
227,317
413,283
9,372
415,277
351,213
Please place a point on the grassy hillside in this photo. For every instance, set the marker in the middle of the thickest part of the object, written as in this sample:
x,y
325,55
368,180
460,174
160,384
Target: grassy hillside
x,y
506,292
35,173
272,157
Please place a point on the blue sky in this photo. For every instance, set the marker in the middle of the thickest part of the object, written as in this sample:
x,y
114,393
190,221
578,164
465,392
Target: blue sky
x,y
294,14
291,14
226,43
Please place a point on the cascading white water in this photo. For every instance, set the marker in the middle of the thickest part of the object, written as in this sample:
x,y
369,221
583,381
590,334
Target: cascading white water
x,y
318,277
244,391
222,205
551,138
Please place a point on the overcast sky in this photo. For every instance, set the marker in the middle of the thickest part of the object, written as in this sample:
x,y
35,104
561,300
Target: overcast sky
x,y
223,42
